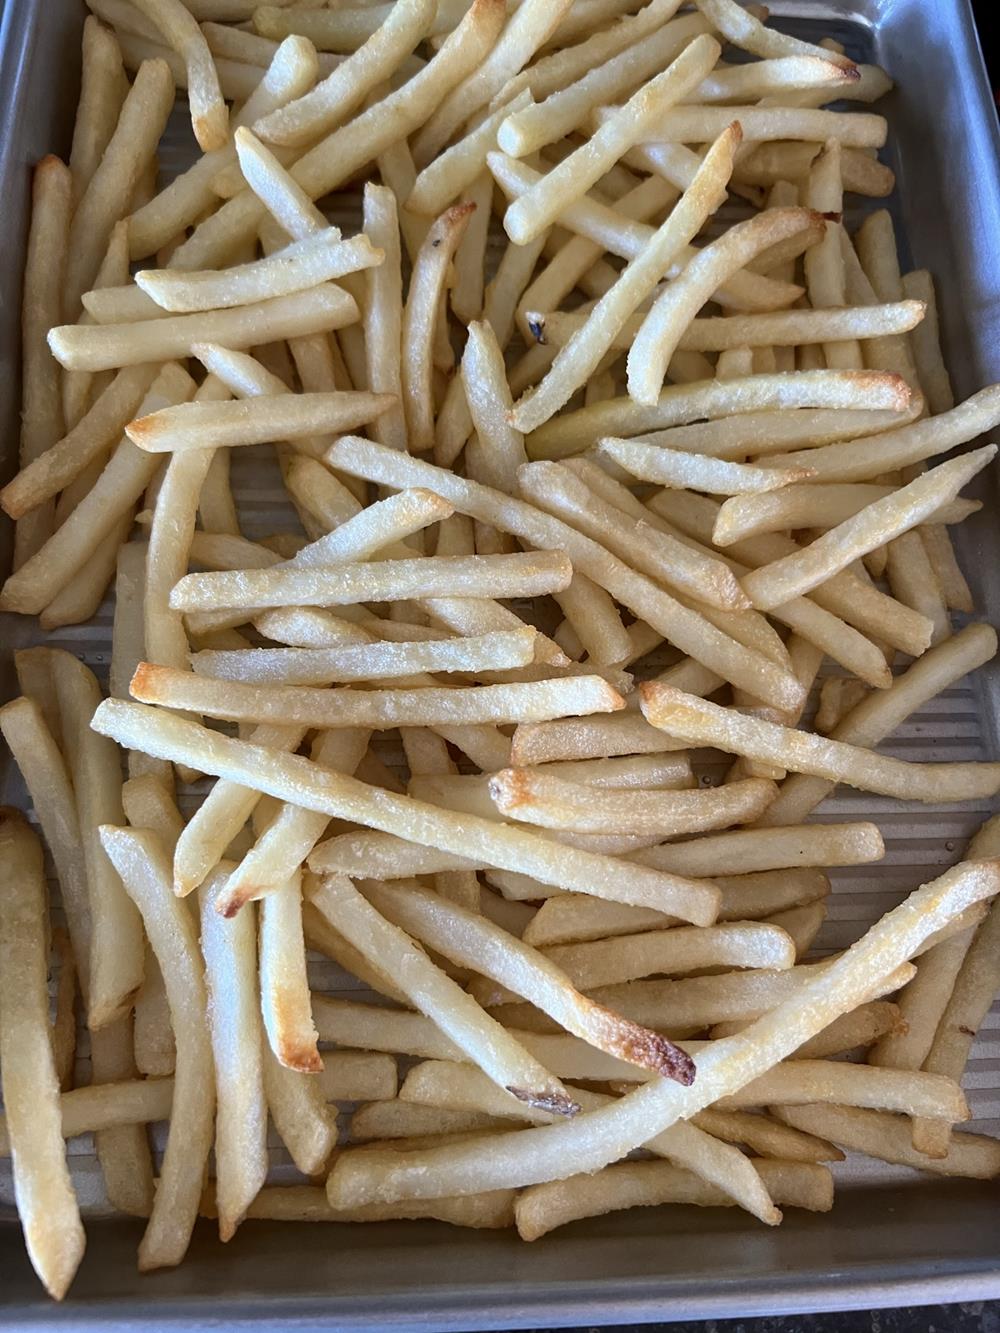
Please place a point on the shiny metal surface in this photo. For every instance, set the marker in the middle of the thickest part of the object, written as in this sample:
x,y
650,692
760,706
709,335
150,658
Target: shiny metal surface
x,y
893,1237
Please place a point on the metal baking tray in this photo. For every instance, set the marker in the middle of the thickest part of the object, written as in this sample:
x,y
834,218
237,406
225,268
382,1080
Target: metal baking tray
x,y
893,1237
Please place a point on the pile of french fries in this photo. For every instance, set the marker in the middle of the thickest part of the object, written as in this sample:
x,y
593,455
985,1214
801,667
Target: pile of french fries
x,y
558,523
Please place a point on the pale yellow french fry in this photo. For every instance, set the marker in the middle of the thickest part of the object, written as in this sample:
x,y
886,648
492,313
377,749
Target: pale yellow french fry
x,y
336,794
46,1203
699,722
301,265
912,581
229,950
104,347
209,117
317,666
42,420
887,1137
925,343
383,314
536,798
870,528
679,404
345,88
626,957
526,30
743,29
490,405
766,1137
669,467
145,871
580,356
300,1114
103,87
108,194
677,306
577,173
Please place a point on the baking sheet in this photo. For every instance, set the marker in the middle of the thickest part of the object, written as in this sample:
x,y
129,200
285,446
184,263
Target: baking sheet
x,y
892,1233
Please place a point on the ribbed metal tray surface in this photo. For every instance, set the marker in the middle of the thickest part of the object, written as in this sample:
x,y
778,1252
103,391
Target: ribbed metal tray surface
x,y
923,1235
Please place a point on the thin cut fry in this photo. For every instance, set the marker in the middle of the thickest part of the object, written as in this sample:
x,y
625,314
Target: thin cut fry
x,y
887,1137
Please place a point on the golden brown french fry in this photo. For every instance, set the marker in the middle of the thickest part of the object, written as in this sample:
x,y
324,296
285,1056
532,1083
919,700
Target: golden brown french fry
x,y
46,1203
469,939
456,1013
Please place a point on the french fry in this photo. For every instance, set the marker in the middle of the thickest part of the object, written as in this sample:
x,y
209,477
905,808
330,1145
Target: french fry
x,y
123,480
527,1157
470,940
571,918
807,506
108,1106
303,264
766,1137
46,1203
925,343
509,848
746,851
670,467
746,31
523,575
102,90
209,117
145,872
700,723
108,346
300,1114
536,798
457,1014
358,1076
638,1184
314,666
682,403
861,460
383,314
870,528
579,357
345,88
64,1015
114,969
50,788
284,989
229,951
305,1203
661,330
376,709
974,989
41,412
108,193
887,1137
808,1082
588,738
527,216
628,957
